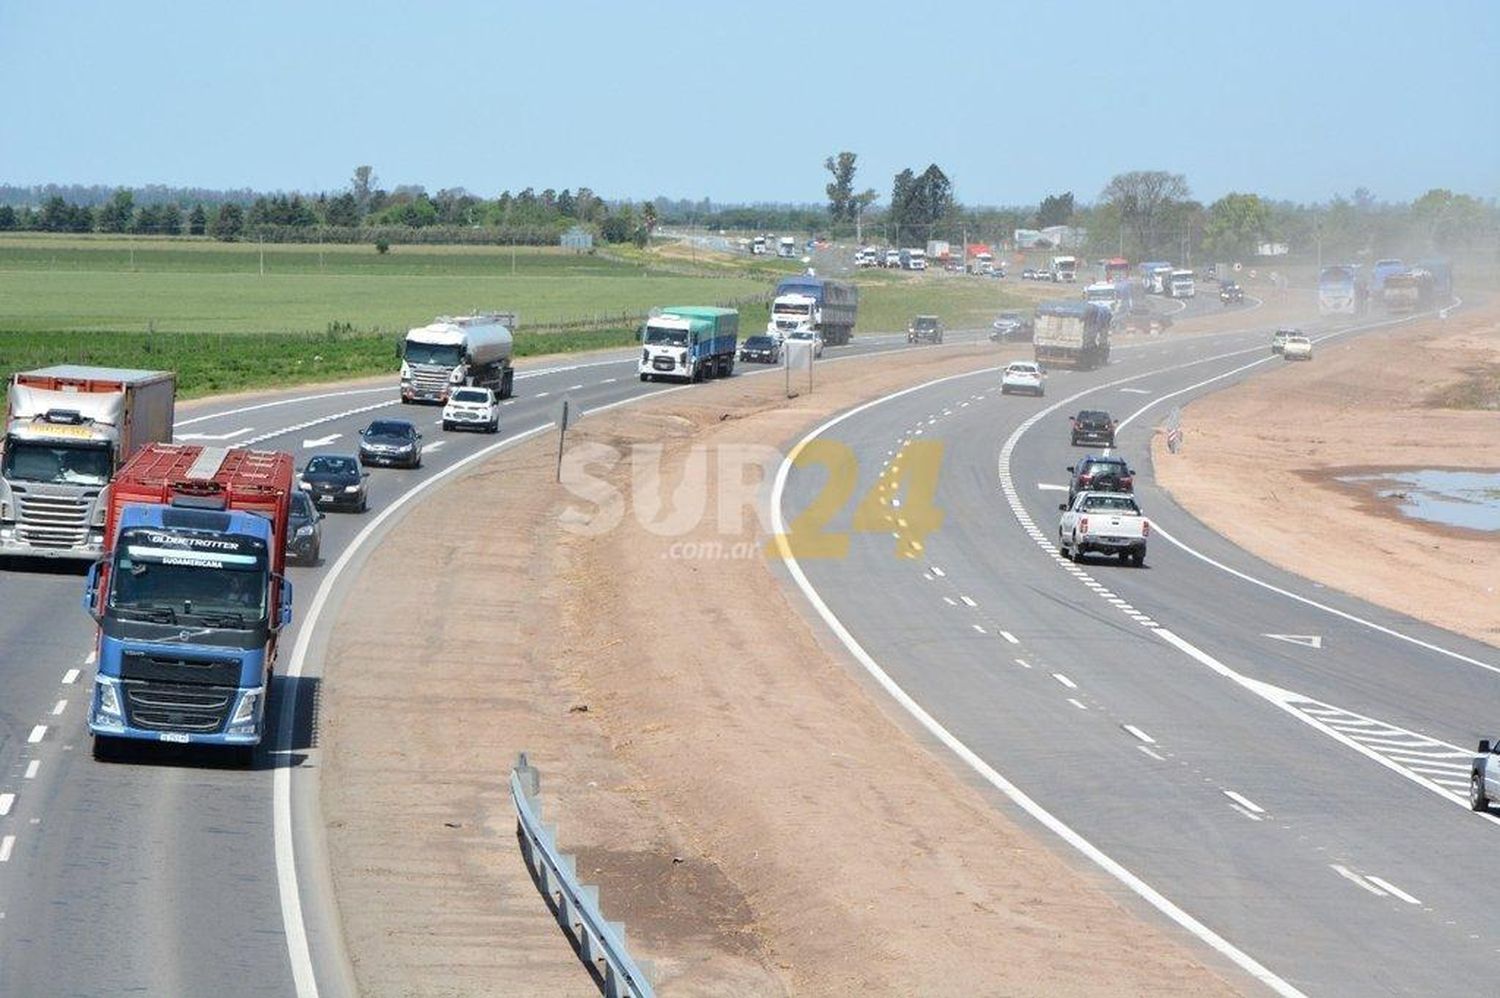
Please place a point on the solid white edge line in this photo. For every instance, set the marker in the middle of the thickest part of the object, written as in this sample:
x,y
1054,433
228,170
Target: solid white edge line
x,y
991,775
298,951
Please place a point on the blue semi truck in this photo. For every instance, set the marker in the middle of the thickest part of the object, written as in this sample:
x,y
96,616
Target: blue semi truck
x,y
806,301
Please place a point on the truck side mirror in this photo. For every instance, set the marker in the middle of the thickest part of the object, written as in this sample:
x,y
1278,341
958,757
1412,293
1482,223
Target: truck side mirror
x,y
284,611
91,593
1484,746
1070,469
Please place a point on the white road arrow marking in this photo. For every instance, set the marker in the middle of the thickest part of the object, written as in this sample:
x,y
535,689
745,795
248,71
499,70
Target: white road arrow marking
x,y
1307,640
321,441
216,436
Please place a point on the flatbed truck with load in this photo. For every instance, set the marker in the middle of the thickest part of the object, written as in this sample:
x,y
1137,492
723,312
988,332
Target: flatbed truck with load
x,y
68,429
827,307
452,351
689,343
1072,334
190,598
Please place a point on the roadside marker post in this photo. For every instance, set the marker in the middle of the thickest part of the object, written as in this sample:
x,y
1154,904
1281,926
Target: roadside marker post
x,y
562,435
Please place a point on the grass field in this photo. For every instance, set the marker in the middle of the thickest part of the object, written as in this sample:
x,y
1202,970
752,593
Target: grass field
x,y
206,309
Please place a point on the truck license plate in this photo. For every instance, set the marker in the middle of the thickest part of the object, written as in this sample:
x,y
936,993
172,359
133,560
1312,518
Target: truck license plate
x,y
173,736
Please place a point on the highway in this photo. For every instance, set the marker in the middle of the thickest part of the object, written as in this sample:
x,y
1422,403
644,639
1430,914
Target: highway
x,y
1277,768
172,874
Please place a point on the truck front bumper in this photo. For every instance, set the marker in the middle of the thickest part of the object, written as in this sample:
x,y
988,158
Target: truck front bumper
x,y
12,546
145,712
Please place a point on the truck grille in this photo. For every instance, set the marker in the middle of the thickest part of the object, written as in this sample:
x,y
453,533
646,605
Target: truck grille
x,y
53,521
663,364
160,668
430,380
162,707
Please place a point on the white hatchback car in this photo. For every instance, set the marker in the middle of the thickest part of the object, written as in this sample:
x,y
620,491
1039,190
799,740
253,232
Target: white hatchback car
x,y
809,337
1296,348
473,409
1023,376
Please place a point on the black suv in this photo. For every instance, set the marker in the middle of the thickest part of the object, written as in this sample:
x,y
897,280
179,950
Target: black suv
x,y
762,349
925,329
1011,326
1097,473
1230,292
1093,426
391,441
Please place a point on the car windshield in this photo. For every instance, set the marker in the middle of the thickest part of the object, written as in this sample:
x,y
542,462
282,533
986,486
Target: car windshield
x,y
184,573
802,334
471,395
441,354
1102,467
390,428
1093,418
324,465
1021,369
302,505
925,322
657,336
54,464
758,342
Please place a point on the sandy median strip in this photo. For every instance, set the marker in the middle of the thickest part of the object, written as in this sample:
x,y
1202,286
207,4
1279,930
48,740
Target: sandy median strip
x,y
1264,463
750,810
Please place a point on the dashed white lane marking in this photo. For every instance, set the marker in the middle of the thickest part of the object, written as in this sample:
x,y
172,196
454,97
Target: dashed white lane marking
x,y
1049,487
609,381
1065,680
1356,879
1153,754
938,571
1392,888
1244,802
573,388
59,707
31,768
1246,812
1023,663
541,395
967,601
509,402
91,658
6,801
37,734
434,445
946,599
1137,732
70,677
1010,637
1077,704
6,845
981,630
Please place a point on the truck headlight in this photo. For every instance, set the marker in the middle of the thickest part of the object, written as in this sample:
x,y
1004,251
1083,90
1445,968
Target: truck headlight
x,y
107,701
245,719
457,377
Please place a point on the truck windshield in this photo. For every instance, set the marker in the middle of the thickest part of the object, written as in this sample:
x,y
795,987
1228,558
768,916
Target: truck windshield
x,y
656,336
55,464
781,309
441,355
180,574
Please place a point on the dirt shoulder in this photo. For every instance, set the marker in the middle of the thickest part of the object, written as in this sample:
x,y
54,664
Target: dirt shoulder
x,y
1266,464
701,750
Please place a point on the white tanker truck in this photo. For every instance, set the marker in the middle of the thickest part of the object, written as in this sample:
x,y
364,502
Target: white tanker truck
x,y
453,351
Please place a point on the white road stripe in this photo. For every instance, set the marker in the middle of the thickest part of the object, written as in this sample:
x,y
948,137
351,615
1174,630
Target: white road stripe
x,y
70,677
1009,637
950,601
6,800
1244,802
1023,663
1065,680
574,388
1077,704
6,845
967,601
1355,878
1139,734
1246,812
37,734
1152,754
31,768
59,707
1392,888
981,630
91,658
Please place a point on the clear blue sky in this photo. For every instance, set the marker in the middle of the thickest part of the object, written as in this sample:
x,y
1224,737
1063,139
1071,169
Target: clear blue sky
x,y
742,102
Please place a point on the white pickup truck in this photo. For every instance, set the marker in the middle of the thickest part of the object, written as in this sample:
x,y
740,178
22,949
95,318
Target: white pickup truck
x,y
1103,523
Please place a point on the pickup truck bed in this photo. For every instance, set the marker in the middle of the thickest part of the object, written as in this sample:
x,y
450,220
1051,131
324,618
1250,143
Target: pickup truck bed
x,y
1103,523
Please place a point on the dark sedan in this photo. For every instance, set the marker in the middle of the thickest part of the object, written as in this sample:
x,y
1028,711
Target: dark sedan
x,y
391,441
334,481
1093,426
760,349
1011,326
304,530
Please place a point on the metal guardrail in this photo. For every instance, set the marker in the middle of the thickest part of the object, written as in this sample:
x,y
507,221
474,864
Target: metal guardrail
x,y
600,943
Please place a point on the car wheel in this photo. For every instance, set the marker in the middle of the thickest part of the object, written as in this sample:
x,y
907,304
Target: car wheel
x,y
1077,551
1477,799
447,425
364,504
317,554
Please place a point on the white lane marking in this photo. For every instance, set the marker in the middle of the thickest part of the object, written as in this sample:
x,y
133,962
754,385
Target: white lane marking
x,y
609,381
6,801
509,402
1153,754
981,630
304,980
31,768
215,436
1077,704
1307,640
1356,879
37,734
323,441
1244,802
91,658
1023,663
1049,487
59,707
1065,680
541,395
1139,734
1137,391
946,599
6,845
70,677
1246,812
938,571
1010,637
967,601
433,446
1053,824
573,388
1391,888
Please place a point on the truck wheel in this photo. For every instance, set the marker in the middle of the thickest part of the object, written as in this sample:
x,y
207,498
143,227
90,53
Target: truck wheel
x,y
1477,800
645,378
447,426
107,749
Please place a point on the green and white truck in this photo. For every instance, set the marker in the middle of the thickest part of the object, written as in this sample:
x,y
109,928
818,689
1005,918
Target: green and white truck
x,y
689,343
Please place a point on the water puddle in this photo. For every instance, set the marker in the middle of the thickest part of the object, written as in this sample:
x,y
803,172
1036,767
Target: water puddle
x,y
1468,499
